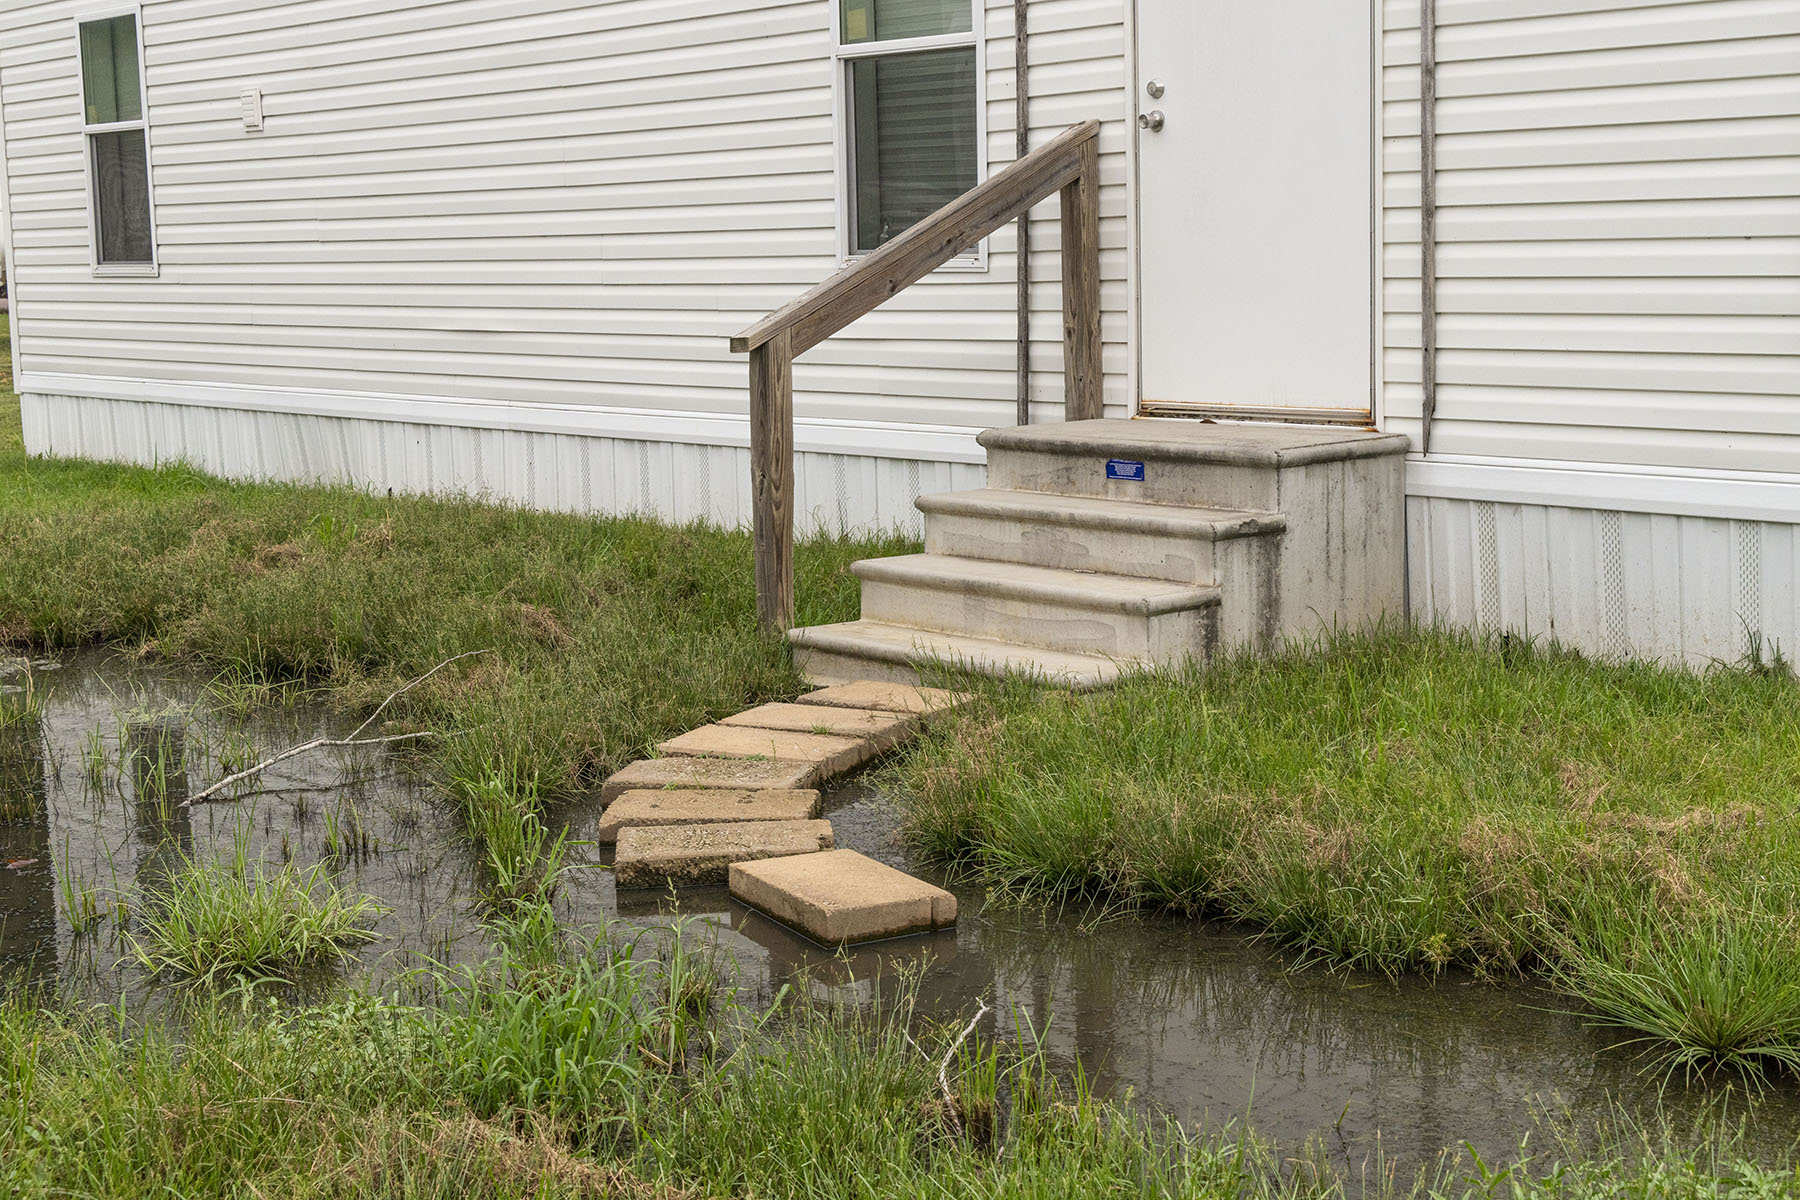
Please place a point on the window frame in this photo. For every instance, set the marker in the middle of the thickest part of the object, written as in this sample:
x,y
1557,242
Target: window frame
x,y
85,16
843,56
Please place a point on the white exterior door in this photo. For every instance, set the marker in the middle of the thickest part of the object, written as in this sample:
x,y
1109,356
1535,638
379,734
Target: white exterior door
x,y
1255,202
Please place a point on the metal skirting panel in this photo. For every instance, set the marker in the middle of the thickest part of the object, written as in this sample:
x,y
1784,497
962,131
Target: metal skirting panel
x,y
836,493
1617,584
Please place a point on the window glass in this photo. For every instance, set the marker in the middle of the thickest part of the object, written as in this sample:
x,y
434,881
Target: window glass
x,y
122,196
109,70
912,142
885,20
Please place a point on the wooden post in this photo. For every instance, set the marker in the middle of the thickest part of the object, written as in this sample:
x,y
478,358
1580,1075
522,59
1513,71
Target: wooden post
x,y
772,479
1083,398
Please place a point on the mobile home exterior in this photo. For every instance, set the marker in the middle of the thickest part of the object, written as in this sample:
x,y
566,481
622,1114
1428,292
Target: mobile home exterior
x,y
500,245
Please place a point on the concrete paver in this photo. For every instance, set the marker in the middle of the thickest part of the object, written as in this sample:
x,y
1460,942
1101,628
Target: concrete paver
x,y
842,896
705,806
656,856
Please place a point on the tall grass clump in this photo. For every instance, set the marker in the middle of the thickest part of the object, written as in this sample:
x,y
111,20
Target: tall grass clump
x,y
1414,801
503,815
238,917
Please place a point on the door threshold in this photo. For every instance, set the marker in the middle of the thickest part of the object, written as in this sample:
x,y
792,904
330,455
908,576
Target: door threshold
x,y
1354,418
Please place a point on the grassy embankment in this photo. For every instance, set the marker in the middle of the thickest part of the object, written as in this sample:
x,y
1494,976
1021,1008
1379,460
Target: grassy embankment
x,y
1410,802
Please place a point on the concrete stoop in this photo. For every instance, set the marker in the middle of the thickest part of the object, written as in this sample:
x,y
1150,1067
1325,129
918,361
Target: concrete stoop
x,y
743,792
1100,547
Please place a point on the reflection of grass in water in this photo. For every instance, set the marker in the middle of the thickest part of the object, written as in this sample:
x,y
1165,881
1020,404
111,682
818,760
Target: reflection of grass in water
x,y
1407,802
237,917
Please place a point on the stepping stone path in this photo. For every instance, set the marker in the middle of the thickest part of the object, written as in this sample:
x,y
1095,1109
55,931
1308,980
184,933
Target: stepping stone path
x,y
730,802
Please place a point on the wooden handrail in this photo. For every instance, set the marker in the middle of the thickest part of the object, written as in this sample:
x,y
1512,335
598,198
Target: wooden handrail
x,y
1070,163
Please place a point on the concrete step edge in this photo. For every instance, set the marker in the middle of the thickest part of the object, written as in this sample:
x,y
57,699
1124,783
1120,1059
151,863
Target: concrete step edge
x,y
903,645
1019,581
1243,445
1113,516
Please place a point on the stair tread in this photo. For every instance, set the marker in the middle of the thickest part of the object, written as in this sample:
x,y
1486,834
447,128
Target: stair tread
x,y
1096,512
1079,589
1250,444
904,644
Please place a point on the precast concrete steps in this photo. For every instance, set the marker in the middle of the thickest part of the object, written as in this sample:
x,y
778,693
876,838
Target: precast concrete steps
x,y
1101,547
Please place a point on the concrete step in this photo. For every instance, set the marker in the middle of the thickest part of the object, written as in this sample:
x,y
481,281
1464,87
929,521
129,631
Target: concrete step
x,y
1179,462
831,655
1119,537
1080,612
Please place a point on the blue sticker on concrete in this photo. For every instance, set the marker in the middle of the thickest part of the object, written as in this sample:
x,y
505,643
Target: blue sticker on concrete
x,y
1130,472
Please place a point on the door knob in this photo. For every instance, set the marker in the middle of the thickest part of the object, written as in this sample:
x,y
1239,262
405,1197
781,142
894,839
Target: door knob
x,y
1152,120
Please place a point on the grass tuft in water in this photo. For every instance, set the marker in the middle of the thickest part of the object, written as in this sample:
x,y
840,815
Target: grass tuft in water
x,y
240,918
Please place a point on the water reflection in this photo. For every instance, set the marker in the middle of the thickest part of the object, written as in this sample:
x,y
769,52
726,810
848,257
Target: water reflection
x,y
1193,1020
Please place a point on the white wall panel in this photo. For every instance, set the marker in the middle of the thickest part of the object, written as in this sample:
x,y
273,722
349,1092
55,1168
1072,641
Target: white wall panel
x,y
1683,589
561,202
565,472
1619,224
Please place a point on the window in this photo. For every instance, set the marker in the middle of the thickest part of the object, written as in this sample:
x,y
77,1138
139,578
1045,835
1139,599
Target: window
x,y
112,98
910,88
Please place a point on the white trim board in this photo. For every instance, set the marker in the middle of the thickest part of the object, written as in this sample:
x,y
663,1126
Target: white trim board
x,y
1734,495
872,439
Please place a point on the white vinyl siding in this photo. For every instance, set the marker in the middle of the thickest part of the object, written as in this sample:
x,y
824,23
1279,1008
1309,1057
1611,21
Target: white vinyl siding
x,y
1619,225
558,202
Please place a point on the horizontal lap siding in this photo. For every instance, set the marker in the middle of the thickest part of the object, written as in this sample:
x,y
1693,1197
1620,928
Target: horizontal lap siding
x,y
563,201
1619,230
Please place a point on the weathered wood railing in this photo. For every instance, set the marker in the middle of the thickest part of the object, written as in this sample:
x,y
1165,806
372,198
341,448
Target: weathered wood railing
x,y
1071,164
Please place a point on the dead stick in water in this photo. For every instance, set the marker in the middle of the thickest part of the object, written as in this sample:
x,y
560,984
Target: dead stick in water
x,y
944,1068
355,738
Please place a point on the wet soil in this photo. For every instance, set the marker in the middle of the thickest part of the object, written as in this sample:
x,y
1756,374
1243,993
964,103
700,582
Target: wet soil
x,y
1203,1022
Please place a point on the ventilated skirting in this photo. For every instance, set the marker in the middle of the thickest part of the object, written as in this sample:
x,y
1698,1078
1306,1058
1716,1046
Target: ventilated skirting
x,y
1617,584
837,493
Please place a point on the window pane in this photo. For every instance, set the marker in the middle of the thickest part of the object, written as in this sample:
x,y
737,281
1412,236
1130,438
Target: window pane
x,y
109,70
885,20
122,196
912,143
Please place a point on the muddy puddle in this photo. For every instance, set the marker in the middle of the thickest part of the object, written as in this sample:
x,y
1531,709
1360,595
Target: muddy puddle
x,y
1197,1021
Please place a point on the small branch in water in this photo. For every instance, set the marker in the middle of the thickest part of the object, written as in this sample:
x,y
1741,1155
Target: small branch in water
x,y
944,1069
355,738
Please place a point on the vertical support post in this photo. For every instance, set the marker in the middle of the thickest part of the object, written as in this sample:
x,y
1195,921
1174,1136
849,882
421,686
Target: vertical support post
x,y
772,479
1083,398
1022,144
1428,240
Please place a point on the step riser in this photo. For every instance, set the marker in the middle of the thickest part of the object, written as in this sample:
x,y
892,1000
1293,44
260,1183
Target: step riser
x,y
1164,637
1042,544
829,668
1196,485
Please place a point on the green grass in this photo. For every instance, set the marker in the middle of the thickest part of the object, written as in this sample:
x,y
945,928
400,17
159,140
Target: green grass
x,y
559,1078
1413,801
239,918
608,635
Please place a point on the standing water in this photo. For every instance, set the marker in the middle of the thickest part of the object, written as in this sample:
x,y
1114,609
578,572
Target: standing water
x,y
98,760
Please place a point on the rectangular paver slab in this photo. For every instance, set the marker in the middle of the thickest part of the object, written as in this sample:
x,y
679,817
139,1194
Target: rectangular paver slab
x,y
842,896
737,774
705,806
887,728
656,856
890,697
828,754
